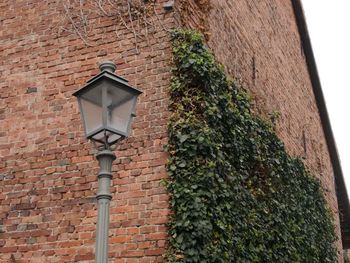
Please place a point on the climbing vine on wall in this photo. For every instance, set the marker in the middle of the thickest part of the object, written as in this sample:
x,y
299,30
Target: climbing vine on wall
x,y
236,195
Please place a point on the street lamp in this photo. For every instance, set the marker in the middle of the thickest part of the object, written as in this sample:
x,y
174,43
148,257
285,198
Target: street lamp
x,y
107,106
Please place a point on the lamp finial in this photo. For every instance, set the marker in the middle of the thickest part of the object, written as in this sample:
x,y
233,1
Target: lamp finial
x,y
107,66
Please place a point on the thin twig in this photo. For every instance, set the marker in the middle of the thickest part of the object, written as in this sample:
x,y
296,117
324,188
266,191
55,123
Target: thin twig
x,y
116,29
157,16
102,9
82,16
132,26
75,27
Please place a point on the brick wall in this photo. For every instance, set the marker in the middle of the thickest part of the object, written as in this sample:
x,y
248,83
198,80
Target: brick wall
x,y
258,43
47,169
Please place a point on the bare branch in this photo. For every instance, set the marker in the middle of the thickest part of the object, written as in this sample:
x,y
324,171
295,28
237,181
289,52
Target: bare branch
x,y
132,26
139,17
74,25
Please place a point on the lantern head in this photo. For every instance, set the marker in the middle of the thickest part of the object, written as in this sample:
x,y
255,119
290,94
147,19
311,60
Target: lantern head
x,y
107,106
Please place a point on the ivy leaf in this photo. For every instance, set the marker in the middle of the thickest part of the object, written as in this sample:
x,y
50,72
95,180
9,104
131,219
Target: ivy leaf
x,y
183,138
182,164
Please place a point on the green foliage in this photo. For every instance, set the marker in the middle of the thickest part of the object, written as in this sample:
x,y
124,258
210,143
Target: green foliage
x,y
236,195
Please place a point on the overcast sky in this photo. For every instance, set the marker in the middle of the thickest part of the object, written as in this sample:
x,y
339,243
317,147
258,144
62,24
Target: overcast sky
x,y
329,28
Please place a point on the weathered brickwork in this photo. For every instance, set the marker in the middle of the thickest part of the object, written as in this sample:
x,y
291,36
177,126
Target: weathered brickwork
x,y
48,172
47,169
258,43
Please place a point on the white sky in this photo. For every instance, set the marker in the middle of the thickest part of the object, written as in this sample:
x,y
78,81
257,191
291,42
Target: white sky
x,y
329,29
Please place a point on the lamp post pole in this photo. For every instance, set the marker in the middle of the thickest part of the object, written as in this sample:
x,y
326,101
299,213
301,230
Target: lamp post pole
x,y
107,106
105,159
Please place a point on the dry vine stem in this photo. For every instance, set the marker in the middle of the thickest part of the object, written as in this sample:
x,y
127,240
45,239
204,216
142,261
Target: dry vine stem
x,y
77,18
140,17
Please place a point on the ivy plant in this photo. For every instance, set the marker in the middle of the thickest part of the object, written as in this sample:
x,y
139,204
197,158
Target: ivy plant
x,y
236,195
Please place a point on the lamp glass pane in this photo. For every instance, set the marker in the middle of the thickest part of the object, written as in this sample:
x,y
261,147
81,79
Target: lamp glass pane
x,y
91,106
111,137
120,109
